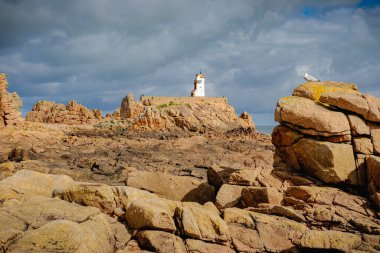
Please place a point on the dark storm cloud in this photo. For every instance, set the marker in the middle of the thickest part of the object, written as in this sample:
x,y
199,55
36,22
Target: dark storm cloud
x,y
253,52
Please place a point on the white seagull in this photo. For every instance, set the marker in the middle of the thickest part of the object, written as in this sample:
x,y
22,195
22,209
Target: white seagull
x,y
310,78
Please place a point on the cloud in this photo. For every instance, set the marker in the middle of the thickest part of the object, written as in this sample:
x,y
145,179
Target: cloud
x,y
252,52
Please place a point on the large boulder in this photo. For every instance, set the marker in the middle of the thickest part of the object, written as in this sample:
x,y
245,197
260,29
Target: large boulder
x,y
27,183
178,188
109,199
311,118
329,162
41,224
202,222
161,242
151,214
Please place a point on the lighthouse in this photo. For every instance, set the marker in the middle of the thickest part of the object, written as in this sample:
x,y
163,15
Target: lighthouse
x,y
199,85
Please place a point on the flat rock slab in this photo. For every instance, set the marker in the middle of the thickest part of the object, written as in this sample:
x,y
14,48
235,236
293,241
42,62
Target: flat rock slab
x,y
311,117
172,187
28,183
332,240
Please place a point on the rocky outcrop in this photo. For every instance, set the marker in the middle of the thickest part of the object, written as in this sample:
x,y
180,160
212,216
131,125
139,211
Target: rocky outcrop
x,y
329,130
195,116
10,104
70,114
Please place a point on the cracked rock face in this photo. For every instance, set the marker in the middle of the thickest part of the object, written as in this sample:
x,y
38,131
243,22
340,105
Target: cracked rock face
x,y
10,104
330,131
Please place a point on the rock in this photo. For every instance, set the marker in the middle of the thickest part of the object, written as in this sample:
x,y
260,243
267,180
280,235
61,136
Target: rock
x,y
373,177
330,240
353,102
67,236
28,183
373,165
129,108
363,145
71,114
287,212
10,104
283,136
161,242
107,198
375,136
315,90
201,222
374,108
152,213
278,234
348,204
238,216
358,125
311,118
366,225
54,225
196,246
329,162
245,239
228,196
253,196
178,188
190,114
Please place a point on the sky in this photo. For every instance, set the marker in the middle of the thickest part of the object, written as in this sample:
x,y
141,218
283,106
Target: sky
x,y
252,52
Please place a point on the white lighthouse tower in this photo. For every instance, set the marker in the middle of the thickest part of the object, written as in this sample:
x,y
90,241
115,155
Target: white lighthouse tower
x,y
199,85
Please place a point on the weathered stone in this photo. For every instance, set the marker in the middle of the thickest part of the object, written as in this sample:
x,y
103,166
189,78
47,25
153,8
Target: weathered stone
x,y
239,216
10,227
196,246
287,212
353,102
358,125
363,145
252,196
71,114
54,225
161,242
374,108
311,118
245,239
366,225
202,222
329,162
278,234
28,183
373,172
283,136
228,196
106,198
94,235
330,240
10,104
172,187
151,213
375,137
314,90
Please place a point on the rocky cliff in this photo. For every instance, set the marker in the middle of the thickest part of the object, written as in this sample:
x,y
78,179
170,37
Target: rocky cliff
x,y
196,116
70,114
331,131
10,104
